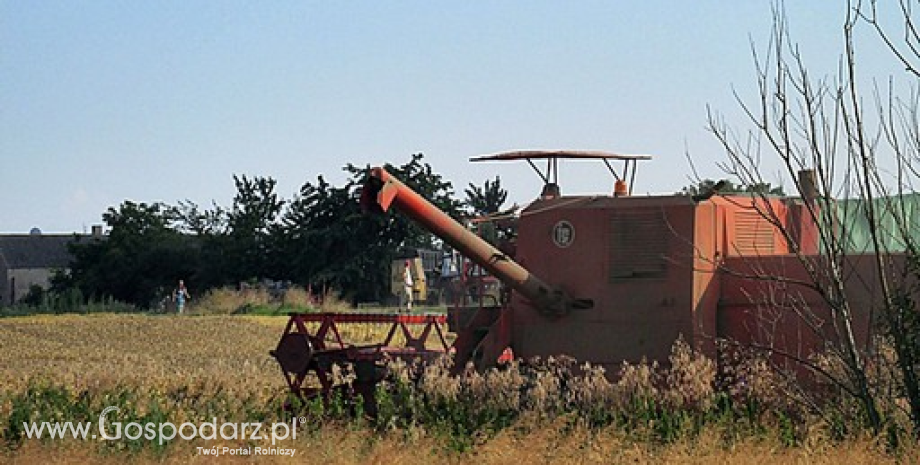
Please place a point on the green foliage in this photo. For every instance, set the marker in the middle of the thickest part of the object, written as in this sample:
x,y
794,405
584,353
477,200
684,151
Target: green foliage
x,y
141,257
328,242
50,402
34,297
321,240
189,218
251,222
69,300
487,199
728,187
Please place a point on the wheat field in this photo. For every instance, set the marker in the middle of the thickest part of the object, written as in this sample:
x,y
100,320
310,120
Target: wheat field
x,y
157,352
155,358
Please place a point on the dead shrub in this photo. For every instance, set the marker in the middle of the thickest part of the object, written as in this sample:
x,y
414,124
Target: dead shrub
x,y
690,379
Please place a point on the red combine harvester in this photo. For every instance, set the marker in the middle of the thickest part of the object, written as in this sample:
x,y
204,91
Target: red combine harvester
x,y
604,278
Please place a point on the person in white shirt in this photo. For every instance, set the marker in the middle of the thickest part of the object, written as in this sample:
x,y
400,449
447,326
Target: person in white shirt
x,y
407,277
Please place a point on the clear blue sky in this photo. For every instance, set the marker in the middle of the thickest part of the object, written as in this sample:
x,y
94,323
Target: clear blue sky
x,y
103,101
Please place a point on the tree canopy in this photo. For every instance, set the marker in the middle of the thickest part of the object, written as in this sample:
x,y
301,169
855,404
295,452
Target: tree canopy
x,y
726,186
320,238
487,199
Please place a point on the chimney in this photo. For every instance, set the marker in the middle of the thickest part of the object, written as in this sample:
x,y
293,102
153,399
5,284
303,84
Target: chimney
x,y
807,186
97,230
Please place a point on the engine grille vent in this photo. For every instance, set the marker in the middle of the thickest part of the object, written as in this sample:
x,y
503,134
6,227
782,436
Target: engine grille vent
x,y
754,235
638,242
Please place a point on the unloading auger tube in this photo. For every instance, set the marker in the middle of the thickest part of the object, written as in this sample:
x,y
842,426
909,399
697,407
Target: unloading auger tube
x,y
382,190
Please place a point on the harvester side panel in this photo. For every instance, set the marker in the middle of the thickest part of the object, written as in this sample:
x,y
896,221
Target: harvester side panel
x,y
631,256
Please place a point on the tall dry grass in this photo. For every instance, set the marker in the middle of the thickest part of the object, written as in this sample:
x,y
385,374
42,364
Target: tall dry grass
x,y
225,301
554,410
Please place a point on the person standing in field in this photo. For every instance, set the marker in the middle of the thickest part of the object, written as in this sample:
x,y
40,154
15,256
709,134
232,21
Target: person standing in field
x,y
182,295
407,278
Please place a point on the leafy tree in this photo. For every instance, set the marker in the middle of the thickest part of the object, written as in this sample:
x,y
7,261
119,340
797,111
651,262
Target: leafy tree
x,y
487,199
421,178
141,258
312,231
726,186
189,218
496,227
321,238
330,242
35,296
249,249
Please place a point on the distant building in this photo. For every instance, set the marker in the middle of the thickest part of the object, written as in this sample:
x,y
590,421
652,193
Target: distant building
x,y
31,259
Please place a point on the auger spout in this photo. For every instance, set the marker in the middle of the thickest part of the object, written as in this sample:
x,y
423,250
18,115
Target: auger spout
x,y
382,191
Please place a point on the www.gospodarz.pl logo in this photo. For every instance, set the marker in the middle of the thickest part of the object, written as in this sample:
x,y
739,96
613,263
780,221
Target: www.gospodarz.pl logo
x,y
110,430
